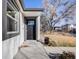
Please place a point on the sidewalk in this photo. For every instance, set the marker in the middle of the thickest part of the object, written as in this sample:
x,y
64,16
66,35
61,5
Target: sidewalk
x,y
33,51
60,50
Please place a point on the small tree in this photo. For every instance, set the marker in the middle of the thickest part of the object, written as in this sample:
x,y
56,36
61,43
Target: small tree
x,y
51,6
44,23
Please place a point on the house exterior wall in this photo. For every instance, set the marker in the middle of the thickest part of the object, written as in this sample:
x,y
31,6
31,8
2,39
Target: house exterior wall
x,y
10,46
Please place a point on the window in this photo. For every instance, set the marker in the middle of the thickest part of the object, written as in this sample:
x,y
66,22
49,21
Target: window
x,y
11,25
30,22
12,19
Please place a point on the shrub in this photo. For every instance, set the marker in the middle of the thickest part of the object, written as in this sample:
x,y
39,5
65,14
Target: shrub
x,y
46,40
67,55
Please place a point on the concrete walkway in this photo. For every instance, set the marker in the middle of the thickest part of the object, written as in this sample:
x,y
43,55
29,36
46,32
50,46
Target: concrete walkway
x,y
33,51
59,50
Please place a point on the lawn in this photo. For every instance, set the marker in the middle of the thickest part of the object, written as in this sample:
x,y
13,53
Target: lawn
x,y
60,39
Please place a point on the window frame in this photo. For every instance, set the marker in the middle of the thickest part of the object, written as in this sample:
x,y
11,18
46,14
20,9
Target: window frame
x,y
5,33
16,20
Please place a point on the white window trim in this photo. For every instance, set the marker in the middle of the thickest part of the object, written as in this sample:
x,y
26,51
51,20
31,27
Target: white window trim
x,y
13,32
17,31
12,17
11,5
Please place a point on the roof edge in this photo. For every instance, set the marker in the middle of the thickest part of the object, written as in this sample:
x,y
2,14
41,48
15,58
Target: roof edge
x,y
33,9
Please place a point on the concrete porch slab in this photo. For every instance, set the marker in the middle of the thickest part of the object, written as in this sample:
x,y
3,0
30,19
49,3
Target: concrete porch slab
x,y
33,51
60,50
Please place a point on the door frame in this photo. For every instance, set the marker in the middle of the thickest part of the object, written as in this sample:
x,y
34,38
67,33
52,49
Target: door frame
x,y
37,28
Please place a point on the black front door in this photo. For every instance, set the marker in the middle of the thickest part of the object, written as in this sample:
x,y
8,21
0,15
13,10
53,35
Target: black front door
x,y
31,29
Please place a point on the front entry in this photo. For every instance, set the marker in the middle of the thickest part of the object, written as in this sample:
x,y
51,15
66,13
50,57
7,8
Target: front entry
x,y
31,28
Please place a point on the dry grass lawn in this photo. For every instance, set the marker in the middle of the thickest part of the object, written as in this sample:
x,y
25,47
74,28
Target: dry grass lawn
x,y
60,39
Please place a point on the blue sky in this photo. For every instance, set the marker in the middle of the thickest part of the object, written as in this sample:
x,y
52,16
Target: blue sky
x,y
32,3
62,8
38,4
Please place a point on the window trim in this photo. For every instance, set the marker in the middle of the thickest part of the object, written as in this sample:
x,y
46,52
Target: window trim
x,y
8,15
14,32
10,34
11,4
11,17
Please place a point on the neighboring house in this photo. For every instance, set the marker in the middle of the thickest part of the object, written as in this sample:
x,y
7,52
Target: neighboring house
x,y
64,25
18,25
65,28
69,27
